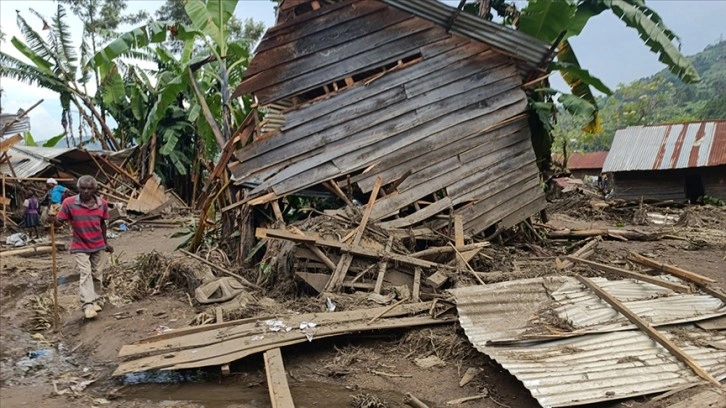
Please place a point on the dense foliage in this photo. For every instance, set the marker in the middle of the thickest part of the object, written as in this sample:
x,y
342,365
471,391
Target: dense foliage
x,y
660,98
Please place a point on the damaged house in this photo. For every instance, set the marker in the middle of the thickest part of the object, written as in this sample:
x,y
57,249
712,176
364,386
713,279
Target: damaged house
x,y
669,162
414,93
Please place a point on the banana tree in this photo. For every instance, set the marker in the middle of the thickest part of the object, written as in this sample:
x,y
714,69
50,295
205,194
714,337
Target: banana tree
x,y
53,64
555,21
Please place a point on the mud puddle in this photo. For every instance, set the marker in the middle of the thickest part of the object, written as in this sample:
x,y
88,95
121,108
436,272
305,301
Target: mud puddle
x,y
241,392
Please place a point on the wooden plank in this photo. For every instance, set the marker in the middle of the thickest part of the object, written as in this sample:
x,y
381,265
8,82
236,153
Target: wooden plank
x,y
449,250
717,323
458,231
229,350
396,42
6,144
315,250
199,336
580,253
435,148
676,351
492,171
632,275
307,53
280,395
416,295
358,100
341,270
355,250
296,29
382,266
364,147
671,269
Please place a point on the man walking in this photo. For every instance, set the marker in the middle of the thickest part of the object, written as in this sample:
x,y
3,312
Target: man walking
x,y
87,213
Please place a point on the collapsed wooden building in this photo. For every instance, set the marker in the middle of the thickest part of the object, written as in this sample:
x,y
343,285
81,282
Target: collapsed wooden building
x,y
415,93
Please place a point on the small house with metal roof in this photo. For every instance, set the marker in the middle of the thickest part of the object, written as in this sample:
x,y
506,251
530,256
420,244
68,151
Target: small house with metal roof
x,y
586,164
680,161
419,94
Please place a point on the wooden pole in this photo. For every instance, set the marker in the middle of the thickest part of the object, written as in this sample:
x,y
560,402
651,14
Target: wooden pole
x,y
53,251
5,213
654,334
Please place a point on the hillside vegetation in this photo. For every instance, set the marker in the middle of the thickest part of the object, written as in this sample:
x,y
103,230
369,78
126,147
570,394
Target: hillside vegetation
x,y
660,98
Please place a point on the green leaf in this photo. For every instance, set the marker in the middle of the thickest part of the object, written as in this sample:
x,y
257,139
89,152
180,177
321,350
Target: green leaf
x,y
36,59
658,37
580,81
28,140
167,96
546,19
576,105
112,88
137,38
53,141
211,19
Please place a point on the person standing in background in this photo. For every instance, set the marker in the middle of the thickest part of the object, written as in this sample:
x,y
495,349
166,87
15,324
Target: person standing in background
x,y
55,195
32,215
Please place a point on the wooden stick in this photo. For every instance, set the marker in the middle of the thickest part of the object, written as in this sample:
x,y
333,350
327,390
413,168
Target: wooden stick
x,y
650,331
414,402
459,231
54,267
416,284
467,265
336,279
673,270
219,268
448,249
333,187
632,275
580,253
382,266
315,250
388,309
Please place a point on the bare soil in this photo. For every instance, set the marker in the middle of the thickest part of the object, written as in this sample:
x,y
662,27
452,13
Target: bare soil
x,y
325,373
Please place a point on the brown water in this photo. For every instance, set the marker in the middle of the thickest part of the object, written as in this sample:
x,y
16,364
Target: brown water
x,y
305,394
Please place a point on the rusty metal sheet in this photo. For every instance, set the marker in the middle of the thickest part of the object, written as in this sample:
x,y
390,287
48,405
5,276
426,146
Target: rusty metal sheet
x,y
667,147
611,361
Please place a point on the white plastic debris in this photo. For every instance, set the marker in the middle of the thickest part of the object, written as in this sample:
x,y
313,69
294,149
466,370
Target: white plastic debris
x,y
330,305
276,325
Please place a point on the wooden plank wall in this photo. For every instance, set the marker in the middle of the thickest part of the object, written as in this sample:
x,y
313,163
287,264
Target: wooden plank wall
x,y
455,120
656,185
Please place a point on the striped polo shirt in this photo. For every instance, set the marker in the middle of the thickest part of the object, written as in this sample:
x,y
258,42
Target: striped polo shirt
x,y
85,222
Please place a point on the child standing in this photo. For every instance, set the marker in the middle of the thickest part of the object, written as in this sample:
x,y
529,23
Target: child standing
x,y
32,217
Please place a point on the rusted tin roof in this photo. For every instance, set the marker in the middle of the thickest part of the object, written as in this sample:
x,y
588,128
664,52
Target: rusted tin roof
x,y
665,147
29,161
22,124
605,357
582,161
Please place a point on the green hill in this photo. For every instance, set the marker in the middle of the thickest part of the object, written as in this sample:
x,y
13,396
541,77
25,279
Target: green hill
x,y
660,98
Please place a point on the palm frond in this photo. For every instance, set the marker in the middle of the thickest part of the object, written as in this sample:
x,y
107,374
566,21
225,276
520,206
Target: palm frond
x,y
11,67
64,45
86,54
34,40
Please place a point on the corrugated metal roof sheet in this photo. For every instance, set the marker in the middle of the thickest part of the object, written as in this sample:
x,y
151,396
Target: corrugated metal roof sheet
x,y
511,41
611,362
673,146
593,160
29,161
22,125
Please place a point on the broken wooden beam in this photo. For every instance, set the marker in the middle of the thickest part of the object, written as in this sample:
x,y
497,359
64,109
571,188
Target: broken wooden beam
x,y
382,266
671,269
654,334
315,250
280,395
621,235
34,250
583,252
352,249
223,270
676,287
448,249
338,276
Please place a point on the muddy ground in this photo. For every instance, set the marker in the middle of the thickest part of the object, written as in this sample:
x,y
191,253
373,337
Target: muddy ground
x,y
73,366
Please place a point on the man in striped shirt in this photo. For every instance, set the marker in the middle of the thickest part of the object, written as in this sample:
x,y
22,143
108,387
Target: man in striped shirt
x,y
87,213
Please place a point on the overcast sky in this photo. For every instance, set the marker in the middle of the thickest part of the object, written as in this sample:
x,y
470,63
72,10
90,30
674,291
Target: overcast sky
x,y
611,51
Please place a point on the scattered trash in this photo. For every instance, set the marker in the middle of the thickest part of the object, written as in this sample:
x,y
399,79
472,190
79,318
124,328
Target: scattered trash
x,y
329,305
18,239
